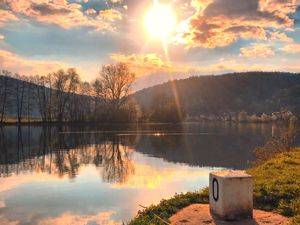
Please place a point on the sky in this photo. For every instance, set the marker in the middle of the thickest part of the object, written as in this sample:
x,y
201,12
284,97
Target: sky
x,y
188,37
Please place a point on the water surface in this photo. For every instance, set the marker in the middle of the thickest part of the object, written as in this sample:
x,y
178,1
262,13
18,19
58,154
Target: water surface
x,y
100,175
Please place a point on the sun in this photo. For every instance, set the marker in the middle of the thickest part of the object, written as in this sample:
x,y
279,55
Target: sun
x,y
160,21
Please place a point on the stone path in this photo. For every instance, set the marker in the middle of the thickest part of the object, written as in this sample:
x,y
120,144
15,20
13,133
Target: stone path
x,y
198,214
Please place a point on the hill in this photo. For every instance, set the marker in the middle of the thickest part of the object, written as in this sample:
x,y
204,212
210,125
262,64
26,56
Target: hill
x,y
252,92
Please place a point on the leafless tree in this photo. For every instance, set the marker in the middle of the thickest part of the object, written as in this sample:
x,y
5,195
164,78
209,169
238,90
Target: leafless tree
x,y
65,84
3,92
114,84
19,91
43,95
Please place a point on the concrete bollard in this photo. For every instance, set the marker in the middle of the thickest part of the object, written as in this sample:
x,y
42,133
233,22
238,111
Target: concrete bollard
x,y
231,195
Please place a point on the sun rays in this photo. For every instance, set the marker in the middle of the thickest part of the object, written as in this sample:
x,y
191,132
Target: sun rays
x,y
160,23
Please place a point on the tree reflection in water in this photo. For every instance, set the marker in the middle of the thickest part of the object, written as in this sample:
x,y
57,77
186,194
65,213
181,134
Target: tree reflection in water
x,y
55,151
64,151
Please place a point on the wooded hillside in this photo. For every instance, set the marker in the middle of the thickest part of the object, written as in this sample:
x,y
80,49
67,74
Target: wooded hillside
x,y
252,92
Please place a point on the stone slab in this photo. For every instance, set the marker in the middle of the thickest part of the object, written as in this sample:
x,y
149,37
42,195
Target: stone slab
x,y
199,214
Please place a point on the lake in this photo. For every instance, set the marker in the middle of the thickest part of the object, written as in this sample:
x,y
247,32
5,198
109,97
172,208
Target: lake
x,y
101,175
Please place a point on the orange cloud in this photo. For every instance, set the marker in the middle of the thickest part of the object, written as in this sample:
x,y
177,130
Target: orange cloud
x,y
143,64
279,36
15,63
257,50
219,23
6,16
58,12
148,64
91,11
292,48
110,14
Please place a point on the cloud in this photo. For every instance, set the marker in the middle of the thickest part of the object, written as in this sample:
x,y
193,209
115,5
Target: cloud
x,y
58,12
6,16
5,221
15,63
110,14
151,64
116,1
292,48
2,37
219,23
279,36
91,11
146,64
2,204
257,50
143,64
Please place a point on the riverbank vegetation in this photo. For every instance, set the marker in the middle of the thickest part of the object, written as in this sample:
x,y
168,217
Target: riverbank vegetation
x,y
276,188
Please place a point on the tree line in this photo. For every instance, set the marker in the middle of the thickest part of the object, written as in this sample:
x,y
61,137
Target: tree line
x,y
62,96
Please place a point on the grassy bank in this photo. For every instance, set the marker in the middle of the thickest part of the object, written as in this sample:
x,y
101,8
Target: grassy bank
x,y
276,188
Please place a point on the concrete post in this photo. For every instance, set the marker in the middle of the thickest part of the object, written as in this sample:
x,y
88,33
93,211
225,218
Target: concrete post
x,y
231,195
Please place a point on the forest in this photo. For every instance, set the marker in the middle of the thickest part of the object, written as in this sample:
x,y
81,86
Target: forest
x,y
252,93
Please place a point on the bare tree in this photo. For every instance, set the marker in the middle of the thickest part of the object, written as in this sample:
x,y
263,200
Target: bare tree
x,y
65,85
20,90
114,84
43,96
4,92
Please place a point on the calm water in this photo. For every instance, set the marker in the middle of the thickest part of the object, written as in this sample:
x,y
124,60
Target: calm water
x,y
81,175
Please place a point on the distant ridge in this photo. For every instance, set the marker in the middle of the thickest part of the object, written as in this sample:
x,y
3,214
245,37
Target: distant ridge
x,y
253,92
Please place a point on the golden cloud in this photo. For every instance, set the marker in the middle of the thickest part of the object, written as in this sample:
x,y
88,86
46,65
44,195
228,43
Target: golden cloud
x,y
292,48
219,23
110,14
144,64
13,62
149,64
279,36
6,16
257,50
58,12
91,11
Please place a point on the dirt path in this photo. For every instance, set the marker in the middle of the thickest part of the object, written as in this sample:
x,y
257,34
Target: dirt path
x,y
199,214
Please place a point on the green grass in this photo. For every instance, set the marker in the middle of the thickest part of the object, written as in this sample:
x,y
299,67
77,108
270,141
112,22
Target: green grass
x,y
277,184
276,188
167,208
